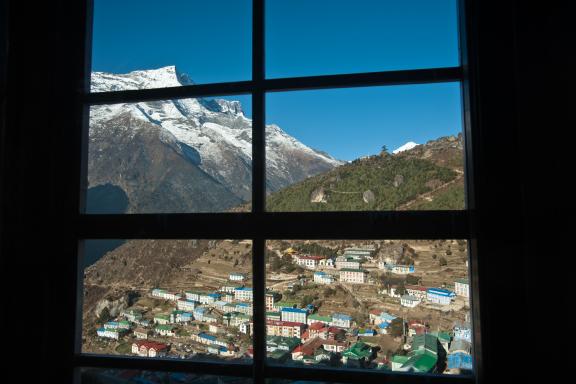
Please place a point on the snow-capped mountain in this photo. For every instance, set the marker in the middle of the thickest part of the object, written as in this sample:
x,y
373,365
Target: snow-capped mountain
x,y
148,147
409,145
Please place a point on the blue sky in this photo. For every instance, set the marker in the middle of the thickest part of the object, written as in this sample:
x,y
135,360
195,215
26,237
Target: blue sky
x,y
211,41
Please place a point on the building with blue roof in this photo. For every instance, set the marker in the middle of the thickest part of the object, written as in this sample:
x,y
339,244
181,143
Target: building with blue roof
x,y
243,293
439,296
295,315
341,320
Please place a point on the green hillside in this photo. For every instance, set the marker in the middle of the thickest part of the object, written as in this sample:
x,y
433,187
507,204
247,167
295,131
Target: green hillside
x,y
382,182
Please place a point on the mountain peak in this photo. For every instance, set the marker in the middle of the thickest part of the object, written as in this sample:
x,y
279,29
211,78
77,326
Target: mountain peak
x,y
162,77
409,145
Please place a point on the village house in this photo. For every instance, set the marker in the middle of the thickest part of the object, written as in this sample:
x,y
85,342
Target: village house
x,y
416,327
391,290
424,356
341,320
462,331
186,305
347,262
318,330
439,296
327,262
459,356
246,328
270,299
117,325
416,291
273,315
284,328
462,288
359,355
332,345
235,319
132,315
402,269
227,297
162,318
194,295
308,349
208,298
245,308
243,294
409,301
163,294
165,330
110,333
141,333
295,315
309,262
274,343
220,350
215,328
206,339
316,318
149,349
236,276
181,317
228,289
323,278
353,276
222,305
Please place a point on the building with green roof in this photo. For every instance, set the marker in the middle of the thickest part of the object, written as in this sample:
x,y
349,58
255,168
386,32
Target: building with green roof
x,y
358,355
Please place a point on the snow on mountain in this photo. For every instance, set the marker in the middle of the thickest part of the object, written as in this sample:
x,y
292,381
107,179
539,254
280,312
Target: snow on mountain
x,y
409,145
215,129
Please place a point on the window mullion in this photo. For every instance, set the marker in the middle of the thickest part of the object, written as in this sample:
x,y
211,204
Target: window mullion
x,y
258,187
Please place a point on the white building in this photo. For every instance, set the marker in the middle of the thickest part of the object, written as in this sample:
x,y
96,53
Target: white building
x,y
439,296
323,278
341,320
310,262
416,291
353,276
294,315
402,269
163,294
235,276
346,262
243,294
462,288
186,305
409,301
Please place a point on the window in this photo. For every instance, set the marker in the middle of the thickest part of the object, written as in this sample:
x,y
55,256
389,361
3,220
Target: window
x,y
274,206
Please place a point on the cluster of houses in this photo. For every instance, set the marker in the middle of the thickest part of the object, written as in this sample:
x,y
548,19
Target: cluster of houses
x,y
303,335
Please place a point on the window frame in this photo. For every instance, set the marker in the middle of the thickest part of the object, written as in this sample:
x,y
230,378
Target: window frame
x,y
259,225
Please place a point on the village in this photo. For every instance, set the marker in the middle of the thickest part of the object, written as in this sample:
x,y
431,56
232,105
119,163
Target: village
x,y
396,306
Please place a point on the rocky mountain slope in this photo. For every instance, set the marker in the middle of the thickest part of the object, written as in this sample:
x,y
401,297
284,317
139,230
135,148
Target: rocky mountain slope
x,y
187,155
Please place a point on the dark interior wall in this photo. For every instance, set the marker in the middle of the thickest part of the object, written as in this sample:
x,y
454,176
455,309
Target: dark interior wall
x,y
39,136
521,56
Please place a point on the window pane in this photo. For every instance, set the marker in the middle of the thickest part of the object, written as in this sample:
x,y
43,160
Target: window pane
x,y
390,305
170,156
189,299
365,149
129,376
199,41
306,38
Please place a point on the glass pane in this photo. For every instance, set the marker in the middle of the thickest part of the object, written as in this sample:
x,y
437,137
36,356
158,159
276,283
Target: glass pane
x,y
129,376
322,37
390,305
187,299
365,149
170,156
140,44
